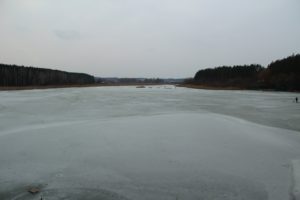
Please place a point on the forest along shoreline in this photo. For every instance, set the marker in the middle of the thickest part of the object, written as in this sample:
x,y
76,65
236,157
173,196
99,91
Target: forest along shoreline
x,y
14,77
280,75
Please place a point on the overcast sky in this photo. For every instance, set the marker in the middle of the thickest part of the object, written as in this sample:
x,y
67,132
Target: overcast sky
x,y
147,38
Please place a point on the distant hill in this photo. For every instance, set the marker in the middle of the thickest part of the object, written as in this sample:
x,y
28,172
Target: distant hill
x,y
13,75
282,75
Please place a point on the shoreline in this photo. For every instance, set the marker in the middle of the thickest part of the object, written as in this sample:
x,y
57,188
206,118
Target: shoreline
x,y
191,86
206,87
15,88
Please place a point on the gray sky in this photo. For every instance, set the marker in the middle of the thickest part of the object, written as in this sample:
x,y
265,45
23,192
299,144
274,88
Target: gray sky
x,y
147,38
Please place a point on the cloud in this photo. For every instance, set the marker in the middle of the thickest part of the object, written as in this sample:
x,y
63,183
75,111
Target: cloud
x,y
67,34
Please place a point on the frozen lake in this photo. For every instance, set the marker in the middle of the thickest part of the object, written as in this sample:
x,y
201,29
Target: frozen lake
x,y
158,143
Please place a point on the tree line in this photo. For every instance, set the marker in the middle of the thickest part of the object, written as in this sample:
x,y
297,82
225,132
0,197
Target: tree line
x,y
282,74
13,75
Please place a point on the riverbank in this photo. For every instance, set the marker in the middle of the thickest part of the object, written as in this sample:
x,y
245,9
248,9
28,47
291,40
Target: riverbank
x,y
10,88
206,87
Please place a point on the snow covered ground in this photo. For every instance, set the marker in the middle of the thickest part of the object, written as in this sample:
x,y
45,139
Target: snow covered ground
x,y
161,143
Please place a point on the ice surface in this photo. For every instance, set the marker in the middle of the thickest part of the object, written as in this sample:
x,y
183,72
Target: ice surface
x,y
295,187
152,143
